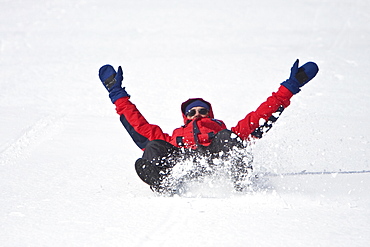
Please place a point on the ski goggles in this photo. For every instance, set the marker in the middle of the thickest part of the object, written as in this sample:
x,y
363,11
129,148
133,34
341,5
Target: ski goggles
x,y
192,112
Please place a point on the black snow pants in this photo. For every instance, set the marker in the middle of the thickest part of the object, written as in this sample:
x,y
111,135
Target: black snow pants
x,y
159,155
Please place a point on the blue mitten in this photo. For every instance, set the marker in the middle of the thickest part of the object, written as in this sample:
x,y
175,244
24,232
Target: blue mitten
x,y
112,81
300,76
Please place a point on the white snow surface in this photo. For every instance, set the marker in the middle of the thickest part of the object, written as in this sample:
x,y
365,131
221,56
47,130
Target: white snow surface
x,y
67,173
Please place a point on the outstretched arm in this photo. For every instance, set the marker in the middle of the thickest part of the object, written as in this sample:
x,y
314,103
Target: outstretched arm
x,y
257,123
136,125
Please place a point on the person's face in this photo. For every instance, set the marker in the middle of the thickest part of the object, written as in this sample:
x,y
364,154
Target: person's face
x,y
197,112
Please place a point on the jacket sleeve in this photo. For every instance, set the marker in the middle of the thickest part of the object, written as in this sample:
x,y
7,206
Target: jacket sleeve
x,y
260,121
136,125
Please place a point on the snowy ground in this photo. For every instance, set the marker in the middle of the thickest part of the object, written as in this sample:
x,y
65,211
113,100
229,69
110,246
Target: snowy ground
x,y
66,163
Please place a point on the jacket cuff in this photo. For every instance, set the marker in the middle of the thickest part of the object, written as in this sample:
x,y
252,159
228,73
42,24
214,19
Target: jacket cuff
x,y
285,92
120,104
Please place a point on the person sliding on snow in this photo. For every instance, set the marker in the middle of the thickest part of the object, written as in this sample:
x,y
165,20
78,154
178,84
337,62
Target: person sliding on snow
x,y
201,132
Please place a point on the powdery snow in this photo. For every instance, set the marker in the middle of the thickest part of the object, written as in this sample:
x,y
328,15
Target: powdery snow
x,y
66,163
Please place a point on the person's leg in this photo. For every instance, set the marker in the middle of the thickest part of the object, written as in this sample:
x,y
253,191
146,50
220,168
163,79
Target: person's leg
x,y
151,168
224,141
229,147
157,149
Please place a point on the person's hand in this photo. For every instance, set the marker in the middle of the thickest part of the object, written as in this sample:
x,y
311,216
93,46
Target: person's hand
x,y
112,81
300,76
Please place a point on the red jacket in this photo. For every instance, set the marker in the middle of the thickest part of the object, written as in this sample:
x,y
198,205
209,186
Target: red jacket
x,y
200,130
